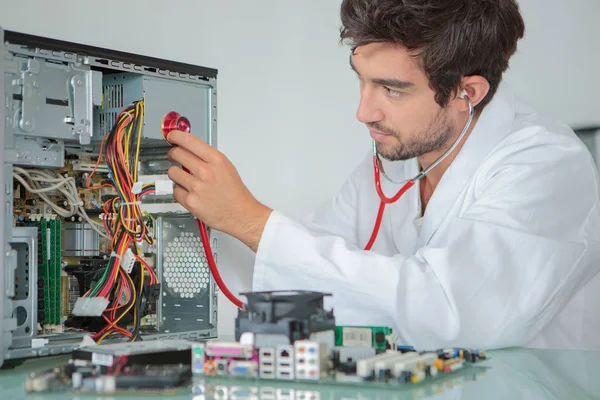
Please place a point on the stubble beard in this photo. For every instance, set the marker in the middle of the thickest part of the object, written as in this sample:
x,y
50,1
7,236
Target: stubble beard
x,y
434,137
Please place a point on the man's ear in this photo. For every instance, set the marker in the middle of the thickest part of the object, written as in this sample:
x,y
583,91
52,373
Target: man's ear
x,y
476,88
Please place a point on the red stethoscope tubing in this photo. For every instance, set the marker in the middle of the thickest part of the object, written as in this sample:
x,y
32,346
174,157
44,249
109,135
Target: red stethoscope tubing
x,y
170,122
389,200
384,200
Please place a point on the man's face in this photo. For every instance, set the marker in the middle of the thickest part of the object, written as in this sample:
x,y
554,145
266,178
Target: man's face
x,y
397,104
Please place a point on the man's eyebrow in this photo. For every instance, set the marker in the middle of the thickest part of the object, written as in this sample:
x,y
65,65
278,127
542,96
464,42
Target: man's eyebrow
x,y
393,83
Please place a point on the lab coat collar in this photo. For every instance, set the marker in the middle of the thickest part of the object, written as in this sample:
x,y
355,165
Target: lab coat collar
x,y
492,126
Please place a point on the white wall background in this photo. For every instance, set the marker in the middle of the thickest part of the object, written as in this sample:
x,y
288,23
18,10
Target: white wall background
x,y
287,96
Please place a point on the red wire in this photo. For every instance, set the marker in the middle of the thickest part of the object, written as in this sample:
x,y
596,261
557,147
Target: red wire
x,y
213,266
384,200
206,243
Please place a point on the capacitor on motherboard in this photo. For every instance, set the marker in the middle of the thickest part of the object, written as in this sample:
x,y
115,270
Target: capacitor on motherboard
x,y
80,180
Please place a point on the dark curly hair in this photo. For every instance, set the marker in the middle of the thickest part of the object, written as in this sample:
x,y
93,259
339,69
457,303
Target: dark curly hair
x,y
451,38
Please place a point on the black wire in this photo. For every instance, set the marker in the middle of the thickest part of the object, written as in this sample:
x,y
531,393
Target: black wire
x,y
140,299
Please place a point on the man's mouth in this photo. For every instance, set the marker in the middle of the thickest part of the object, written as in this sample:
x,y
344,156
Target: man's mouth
x,y
378,136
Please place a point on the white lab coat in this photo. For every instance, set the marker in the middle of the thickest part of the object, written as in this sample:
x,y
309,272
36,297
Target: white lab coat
x,y
507,254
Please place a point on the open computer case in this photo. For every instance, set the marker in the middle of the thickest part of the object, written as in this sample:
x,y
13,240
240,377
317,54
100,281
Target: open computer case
x,y
60,102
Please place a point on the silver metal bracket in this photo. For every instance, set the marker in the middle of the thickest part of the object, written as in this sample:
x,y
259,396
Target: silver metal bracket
x,y
31,96
86,92
81,109
40,152
9,277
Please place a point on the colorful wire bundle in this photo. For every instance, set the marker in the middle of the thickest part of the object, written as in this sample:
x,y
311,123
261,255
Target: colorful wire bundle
x,y
124,222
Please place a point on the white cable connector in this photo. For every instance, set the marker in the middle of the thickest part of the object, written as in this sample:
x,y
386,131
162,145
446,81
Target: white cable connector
x,y
90,306
137,188
163,187
128,261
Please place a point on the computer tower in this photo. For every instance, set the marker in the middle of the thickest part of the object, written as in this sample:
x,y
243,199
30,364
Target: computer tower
x,y
61,101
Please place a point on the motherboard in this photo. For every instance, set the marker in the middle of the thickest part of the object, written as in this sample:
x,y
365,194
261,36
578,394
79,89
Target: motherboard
x,y
287,338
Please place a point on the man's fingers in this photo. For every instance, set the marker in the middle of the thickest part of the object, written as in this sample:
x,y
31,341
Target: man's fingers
x,y
194,145
180,195
187,160
181,178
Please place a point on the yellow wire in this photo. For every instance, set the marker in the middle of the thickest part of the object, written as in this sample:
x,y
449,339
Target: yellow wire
x,y
114,323
125,130
140,114
126,147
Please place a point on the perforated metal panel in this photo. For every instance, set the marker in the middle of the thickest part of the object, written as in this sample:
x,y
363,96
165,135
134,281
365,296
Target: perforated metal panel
x,y
118,91
187,300
185,268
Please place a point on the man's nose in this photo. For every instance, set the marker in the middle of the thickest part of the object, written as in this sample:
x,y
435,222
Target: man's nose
x,y
368,110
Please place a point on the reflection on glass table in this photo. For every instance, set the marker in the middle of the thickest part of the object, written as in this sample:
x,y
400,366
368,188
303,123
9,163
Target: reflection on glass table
x,y
509,374
442,387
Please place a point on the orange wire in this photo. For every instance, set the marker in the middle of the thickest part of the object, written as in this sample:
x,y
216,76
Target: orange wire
x,y
89,178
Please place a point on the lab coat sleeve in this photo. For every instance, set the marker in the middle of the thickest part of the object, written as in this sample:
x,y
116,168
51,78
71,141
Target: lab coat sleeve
x,y
337,217
505,267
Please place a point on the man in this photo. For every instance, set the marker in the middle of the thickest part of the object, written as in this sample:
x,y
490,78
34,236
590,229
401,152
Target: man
x,y
497,246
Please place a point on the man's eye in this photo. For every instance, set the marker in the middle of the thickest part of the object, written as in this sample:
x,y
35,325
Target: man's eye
x,y
392,92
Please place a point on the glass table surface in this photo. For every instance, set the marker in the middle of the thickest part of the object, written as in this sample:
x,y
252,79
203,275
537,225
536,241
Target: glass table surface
x,y
507,374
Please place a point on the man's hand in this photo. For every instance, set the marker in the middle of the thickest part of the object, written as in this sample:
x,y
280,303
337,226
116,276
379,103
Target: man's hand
x,y
213,190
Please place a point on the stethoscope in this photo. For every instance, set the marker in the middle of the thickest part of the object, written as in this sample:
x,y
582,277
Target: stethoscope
x,y
407,184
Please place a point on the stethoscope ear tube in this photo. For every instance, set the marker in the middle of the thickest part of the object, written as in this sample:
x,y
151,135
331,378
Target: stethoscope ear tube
x,y
424,173
407,184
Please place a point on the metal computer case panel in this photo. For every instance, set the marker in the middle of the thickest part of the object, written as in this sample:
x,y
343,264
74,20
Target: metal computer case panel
x,y
24,251
6,319
160,95
50,96
188,298
111,60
